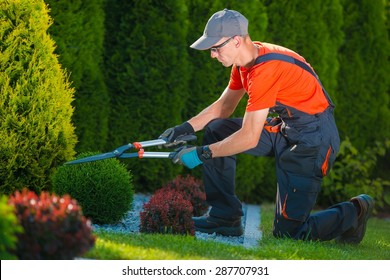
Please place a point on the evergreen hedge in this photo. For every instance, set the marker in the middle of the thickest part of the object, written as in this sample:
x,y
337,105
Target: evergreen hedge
x,y
146,73
363,112
78,30
311,28
35,104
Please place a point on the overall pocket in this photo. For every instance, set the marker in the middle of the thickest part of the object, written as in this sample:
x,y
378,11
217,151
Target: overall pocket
x,y
301,197
307,133
299,159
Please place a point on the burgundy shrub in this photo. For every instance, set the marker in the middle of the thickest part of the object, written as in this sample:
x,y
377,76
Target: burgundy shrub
x,y
54,228
193,191
167,212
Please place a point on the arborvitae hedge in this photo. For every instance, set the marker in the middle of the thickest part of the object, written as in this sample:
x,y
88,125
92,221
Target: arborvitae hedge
x,y
35,104
78,30
311,28
208,77
363,112
146,64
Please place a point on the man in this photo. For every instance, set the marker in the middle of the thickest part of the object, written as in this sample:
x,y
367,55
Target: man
x,y
303,138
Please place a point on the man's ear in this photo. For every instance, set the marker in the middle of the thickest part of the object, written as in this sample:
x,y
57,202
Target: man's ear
x,y
237,41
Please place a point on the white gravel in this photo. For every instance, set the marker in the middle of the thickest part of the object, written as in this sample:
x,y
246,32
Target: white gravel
x,y
131,222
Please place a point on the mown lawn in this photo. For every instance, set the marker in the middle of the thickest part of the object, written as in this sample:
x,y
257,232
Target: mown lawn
x,y
109,246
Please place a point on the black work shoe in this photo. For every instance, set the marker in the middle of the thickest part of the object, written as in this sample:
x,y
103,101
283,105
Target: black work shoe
x,y
211,224
365,203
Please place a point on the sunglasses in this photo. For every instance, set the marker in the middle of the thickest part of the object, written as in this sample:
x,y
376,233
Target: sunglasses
x,y
216,48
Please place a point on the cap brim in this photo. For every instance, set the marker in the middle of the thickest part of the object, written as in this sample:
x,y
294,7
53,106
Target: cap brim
x,y
204,43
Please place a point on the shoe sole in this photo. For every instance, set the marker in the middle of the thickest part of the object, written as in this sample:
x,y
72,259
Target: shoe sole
x,y
226,231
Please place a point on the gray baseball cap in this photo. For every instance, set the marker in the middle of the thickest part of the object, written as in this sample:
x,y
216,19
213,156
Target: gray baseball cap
x,y
225,23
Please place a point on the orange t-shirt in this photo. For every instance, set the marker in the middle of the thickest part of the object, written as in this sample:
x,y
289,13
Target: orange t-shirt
x,y
277,81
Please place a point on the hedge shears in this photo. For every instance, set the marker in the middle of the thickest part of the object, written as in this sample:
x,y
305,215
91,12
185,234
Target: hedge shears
x,y
139,146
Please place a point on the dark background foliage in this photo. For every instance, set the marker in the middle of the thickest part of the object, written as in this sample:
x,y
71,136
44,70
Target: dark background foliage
x,y
134,75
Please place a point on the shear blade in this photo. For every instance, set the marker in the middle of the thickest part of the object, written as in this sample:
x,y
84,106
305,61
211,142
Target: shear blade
x,y
92,158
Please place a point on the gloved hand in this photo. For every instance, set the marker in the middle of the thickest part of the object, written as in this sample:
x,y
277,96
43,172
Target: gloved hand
x,y
172,133
192,156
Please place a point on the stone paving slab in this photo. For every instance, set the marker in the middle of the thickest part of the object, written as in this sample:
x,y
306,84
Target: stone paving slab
x,y
252,233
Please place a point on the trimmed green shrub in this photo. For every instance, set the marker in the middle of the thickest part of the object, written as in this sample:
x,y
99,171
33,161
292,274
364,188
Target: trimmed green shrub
x,y
192,190
54,228
103,188
167,212
35,99
9,227
351,175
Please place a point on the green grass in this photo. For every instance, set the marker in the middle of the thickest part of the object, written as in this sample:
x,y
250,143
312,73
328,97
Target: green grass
x,y
109,246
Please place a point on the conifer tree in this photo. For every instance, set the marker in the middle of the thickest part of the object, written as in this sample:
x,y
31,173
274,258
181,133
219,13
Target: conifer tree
x,y
35,104
78,31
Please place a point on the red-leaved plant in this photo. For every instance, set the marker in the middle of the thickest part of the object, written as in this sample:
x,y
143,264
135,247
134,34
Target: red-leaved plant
x,y
193,191
167,212
54,228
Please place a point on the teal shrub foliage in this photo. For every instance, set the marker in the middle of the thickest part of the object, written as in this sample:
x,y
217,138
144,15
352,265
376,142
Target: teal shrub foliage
x,y
103,188
192,190
54,228
9,227
351,175
167,212
35,99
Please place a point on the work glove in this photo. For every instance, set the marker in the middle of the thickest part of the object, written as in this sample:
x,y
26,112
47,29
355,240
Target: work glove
x,y
192,156
171,134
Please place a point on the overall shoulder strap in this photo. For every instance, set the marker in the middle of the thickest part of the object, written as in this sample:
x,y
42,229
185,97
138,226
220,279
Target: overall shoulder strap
x,y
290,59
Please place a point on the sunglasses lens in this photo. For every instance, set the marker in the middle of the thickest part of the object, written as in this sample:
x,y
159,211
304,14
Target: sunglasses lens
x,y
216,48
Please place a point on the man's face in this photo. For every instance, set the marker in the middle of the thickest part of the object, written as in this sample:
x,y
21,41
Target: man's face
x,y
224,51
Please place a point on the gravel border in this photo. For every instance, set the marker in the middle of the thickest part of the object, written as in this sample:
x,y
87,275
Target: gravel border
x,y
131,222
